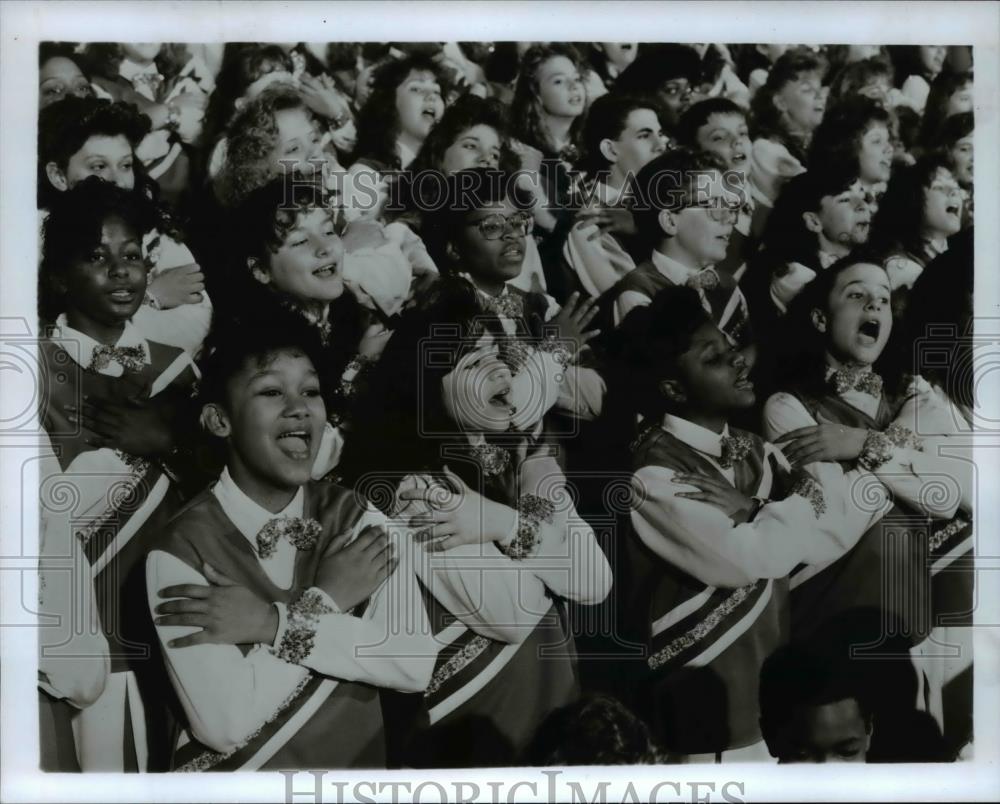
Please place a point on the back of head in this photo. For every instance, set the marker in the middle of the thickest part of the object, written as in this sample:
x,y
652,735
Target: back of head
x,y
656,64
596,730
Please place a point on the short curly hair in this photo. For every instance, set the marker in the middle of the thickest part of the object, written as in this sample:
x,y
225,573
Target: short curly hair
x,y
252,137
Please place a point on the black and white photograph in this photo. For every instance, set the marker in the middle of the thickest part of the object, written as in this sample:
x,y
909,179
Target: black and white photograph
x,y
449,411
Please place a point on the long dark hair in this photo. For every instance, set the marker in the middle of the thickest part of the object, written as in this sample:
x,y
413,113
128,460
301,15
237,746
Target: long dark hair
x,y
935,111
526,109
765,119
801,348
837,140
898,222
378,120
402,426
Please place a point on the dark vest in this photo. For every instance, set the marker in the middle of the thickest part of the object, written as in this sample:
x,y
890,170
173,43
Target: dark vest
x,y
706,645
346,728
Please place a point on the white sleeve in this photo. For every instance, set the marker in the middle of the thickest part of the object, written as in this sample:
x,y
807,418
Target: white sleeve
x,y
581,392
184,327
701,540
500,597
390,644
626,301
73,658
226,695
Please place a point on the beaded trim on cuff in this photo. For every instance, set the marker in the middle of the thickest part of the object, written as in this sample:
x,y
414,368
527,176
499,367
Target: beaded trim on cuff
x,y
813,493
303,616
877,449
532,510
557,350
903,437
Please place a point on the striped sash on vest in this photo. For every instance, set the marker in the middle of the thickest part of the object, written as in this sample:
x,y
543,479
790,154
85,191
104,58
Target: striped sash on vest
x,y
707,641
323,723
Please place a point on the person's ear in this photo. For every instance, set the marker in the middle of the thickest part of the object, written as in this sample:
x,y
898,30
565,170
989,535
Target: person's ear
x,y
609,150
56,177
668,222
812,222
215,421
673,391
239,103
818,320
451,252
257,271
779,103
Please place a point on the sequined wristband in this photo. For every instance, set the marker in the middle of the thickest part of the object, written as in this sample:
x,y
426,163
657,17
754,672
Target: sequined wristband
x,y
812,491
877,449
903,437
303,617
558,351
532,510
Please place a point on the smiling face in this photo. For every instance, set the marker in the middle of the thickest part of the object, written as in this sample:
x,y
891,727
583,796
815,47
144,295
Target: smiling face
x,y
802,102
477,391
491,262
713,375
843,220
728,136
419,105
641,140
478,146
962,155
831,732
104,286
299,149
560,88
308,265
875,155
59,78
858,318
942,206
110,158
273,419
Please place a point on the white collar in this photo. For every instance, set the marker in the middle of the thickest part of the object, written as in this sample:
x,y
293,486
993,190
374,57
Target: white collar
x,y
826,259
130,337
694,435
676,272
406,153
246,514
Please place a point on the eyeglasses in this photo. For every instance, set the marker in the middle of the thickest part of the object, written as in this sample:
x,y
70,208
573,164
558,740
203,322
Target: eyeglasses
x,y
495,226
719,212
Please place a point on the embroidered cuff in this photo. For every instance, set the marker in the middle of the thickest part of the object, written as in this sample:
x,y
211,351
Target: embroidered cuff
x,y
532,510
903,437
300,632
556,349
877,449
813,493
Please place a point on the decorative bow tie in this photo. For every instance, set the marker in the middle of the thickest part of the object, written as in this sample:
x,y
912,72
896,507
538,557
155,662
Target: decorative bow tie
x,y
706,279
493,460
734,450
856,379
506,305
130,358
302,533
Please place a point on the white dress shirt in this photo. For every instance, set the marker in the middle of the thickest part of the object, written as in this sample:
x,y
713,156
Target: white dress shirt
x,y
227,696
701,540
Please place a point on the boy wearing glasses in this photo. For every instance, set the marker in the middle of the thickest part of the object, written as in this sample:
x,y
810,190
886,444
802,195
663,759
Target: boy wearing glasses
x,y
478,232
686,207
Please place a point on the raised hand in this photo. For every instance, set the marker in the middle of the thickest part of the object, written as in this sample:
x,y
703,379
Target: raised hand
x,y
226,612
573,320
350,573
176,286
822,442
718,492
456,515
